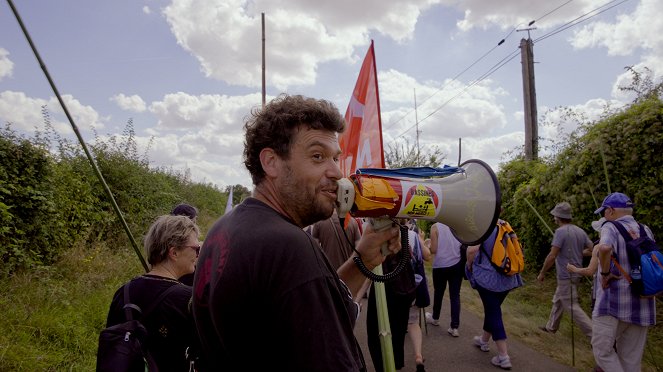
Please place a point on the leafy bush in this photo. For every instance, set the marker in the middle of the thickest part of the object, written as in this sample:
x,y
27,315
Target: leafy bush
x,y
51,200
628,141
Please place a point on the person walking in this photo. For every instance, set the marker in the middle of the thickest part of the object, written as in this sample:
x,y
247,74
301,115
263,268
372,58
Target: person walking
x,y
493,287
171,246
620,318
568,244
267,298
447,269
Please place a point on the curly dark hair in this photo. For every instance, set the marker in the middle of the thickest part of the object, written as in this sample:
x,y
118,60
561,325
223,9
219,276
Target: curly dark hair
x,y
275,125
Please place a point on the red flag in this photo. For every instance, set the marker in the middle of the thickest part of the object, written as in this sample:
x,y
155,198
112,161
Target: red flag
x,y
361,143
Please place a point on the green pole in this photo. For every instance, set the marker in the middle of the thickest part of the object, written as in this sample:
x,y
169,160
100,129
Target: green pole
x,y
605,169
384,328
538,215
97,172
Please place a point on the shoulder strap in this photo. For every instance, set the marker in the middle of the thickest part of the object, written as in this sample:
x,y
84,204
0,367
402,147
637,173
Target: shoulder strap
x,y
622,231
159,299
627,238
128,306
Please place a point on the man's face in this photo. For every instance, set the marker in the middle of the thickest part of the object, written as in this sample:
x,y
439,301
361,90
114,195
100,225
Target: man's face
x,y
306,184
609,214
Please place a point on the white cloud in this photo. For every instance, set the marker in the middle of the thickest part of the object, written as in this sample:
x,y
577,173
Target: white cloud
x,y
204,134
225,35
643,25
518,13
130,103
641,30
182,111
6,65
25,113
445,112
147,10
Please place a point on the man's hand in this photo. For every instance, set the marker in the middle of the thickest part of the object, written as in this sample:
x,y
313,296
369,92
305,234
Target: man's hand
x,y
571,268
371,242
540,277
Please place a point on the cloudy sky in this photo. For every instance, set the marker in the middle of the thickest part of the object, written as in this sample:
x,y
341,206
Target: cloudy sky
x,y
187,72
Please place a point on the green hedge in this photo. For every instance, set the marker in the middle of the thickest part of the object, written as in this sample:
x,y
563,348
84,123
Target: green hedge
x,y
50,200
630,141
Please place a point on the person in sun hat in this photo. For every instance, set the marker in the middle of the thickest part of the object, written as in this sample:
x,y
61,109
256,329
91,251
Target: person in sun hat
x,y
620,318
567,246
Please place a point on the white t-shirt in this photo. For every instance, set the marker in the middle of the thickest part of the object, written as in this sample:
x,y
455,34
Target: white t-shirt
x,y
448,247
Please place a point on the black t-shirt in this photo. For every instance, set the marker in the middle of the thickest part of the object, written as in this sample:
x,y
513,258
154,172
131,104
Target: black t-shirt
x,y
170,325
266,298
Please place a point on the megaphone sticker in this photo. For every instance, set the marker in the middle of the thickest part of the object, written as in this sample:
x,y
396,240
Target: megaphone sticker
x,y
420,200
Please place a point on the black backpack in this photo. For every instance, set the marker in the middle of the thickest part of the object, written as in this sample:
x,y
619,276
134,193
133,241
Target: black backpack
x,y
122,347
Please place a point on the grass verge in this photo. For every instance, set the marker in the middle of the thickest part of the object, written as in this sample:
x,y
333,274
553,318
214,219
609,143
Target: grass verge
x,y
528,307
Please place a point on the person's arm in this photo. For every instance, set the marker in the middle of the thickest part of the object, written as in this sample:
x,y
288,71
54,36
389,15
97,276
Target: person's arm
x,y
434,235
605,251
425,250
591,267
471,253
547,264
369,247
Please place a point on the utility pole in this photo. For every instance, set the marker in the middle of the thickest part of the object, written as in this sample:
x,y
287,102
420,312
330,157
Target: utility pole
x,y
416,120
263,61
529,94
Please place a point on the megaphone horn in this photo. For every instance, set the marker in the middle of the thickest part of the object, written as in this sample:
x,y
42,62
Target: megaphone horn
x,y
468,201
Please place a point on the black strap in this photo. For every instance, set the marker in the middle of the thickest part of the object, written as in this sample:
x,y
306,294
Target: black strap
x,y
627,237
128,306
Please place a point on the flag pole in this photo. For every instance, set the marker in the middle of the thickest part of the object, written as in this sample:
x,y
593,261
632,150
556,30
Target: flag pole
x,y
386,344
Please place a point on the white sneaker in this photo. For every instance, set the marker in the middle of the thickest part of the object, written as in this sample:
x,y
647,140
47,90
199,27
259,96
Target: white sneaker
x,y
453,332
430,320
481,344
503,362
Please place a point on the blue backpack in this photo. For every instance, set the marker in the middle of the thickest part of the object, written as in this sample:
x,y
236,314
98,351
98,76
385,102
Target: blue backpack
x,y
646,260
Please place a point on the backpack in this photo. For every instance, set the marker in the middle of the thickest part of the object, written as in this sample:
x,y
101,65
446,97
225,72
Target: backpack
x,y
646,261
507,257
123,347
422,297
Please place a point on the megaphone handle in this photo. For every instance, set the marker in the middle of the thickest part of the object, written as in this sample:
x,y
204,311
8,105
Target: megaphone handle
x,y
404,259
379,224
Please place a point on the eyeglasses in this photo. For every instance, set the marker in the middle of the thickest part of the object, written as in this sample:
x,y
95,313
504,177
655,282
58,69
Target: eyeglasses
x,y
194,247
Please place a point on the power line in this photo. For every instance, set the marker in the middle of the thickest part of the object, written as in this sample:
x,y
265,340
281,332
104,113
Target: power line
x,y
446,84
470,66
580,19
509,57
493,69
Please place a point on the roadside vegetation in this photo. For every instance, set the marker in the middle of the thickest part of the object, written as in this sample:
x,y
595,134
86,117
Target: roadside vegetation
x,y
63,252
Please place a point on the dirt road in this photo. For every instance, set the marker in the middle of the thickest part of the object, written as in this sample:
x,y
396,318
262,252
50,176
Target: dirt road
x,y
445,353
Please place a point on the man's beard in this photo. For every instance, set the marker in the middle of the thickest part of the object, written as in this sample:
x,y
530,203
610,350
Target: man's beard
x,y
301,201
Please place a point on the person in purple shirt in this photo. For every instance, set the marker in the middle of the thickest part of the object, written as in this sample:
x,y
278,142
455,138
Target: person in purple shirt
x,y
620,318
493,287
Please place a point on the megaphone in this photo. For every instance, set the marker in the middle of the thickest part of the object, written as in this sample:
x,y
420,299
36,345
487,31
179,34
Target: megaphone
x,y
468,200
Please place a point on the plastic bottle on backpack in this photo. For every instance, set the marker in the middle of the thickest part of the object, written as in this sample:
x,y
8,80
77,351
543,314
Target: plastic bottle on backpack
x,y
635,274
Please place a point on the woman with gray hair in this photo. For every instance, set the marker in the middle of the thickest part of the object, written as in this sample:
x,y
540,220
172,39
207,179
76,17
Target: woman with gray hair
x,y
172,248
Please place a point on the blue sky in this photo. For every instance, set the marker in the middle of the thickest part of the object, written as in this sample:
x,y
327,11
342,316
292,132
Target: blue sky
x,y
188,71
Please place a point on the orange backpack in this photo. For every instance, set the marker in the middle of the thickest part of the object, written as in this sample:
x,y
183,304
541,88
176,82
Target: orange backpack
x,y
507,257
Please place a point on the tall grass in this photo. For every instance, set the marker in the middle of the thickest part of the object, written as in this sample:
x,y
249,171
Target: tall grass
x,y
51,316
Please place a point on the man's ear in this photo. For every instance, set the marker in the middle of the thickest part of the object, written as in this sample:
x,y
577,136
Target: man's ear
x,y
270,162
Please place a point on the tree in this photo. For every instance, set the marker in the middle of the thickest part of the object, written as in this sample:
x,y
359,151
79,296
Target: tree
x,y
239,193
403,155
